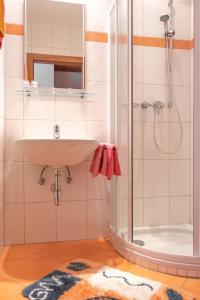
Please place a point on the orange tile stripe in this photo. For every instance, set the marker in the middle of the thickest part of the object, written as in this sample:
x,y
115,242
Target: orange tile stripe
x,y
93,36
14,29
160,42
102,37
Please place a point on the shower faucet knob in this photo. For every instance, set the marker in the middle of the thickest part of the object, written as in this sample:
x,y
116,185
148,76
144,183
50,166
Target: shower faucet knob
x,y
146,104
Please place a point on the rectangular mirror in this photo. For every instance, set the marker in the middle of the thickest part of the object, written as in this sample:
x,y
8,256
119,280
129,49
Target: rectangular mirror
x,y
54,43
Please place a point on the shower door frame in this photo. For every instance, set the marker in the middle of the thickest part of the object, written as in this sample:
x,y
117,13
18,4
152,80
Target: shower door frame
x,y
114,5
196,133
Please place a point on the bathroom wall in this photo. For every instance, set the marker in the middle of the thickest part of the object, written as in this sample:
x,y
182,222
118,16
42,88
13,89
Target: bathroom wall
x,y
30,214
45,39
2,81
162,183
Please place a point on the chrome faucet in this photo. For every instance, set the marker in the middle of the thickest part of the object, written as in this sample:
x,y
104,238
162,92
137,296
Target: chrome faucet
x,y
156,105
56,131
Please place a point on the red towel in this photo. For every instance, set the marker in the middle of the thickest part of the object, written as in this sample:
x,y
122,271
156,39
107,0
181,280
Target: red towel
x,y
97,160
105,161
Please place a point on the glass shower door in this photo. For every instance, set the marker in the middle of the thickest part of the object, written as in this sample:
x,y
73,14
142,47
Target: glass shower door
x,y
163,125
120,113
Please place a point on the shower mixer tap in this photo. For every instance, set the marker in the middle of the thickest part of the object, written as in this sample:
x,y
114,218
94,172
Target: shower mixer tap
x,y
157,105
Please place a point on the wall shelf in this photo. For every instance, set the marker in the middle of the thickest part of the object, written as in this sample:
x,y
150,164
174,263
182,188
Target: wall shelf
x,y
40,92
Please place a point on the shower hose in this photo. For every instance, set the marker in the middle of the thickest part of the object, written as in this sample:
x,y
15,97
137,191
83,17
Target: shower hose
x,y
171,103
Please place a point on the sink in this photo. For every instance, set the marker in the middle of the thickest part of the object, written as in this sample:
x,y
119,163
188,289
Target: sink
x,y
57,152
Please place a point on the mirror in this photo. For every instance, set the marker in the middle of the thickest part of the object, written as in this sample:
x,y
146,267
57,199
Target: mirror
x,y
54,43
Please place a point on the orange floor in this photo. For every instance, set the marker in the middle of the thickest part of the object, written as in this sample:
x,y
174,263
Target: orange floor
x,y
22,265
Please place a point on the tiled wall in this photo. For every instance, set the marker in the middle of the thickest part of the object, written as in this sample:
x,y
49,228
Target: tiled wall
x,y
55,39
30,215
2,80
162,183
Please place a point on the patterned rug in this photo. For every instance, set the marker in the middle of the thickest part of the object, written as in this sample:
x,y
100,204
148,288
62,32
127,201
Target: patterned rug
x,y
88,280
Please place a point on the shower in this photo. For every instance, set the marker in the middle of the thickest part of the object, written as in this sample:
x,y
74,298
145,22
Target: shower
x,y
168,22
154,215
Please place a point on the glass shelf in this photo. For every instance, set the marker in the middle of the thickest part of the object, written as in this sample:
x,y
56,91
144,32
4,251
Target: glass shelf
x,y
71,93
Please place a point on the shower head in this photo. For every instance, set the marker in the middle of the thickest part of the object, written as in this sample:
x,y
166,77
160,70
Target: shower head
x,y
164,18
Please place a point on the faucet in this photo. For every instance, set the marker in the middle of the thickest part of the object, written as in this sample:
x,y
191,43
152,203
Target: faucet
x,y
56,131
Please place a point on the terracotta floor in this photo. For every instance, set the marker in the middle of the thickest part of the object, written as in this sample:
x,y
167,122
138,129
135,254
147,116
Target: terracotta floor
x,y
22,265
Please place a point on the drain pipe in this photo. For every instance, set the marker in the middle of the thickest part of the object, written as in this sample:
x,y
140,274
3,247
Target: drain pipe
x,y
56,188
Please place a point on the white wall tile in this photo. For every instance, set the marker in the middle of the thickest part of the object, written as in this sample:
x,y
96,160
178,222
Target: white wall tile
x,y
181,141
182,20
33,192
13,130
60,51
161,133
97,104
138,178
138,64
2,182
13,102
152,13
41,50
76,52
77,189
71,221
14,59
97,130
14,11
38,129
183,98
138,98
41,35
138,17
156,211
180,179
96,186
181,67
138,215
39,107
155,67
60,36
40,222
2,148
96,61
70,108
13,176
39,118
96,219
180,210
2,240
96,15
138,140
158,184
14,224
72,129
152,93
77,38
28,35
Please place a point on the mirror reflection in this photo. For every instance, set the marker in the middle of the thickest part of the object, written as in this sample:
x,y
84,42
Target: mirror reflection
x,y
54,52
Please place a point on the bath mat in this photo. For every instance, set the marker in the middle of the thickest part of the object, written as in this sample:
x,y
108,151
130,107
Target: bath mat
x,y
83,279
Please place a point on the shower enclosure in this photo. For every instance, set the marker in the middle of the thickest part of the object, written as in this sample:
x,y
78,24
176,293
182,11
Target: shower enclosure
x,y
154,92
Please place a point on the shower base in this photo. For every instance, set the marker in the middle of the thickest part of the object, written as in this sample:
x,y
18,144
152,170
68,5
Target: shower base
x,y
167,249
172,239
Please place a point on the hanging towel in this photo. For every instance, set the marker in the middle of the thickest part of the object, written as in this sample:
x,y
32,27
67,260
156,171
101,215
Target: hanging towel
x,y
2,25
97,160
105,161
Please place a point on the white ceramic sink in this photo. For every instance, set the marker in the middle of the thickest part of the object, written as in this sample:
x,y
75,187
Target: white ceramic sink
x,y
57,153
